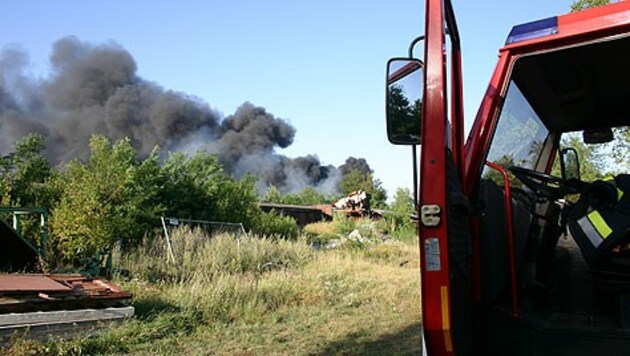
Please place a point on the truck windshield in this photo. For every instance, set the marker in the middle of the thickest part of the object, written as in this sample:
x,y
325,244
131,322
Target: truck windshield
x,y
520,134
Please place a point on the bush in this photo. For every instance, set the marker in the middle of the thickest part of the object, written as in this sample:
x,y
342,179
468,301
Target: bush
x,y
273,224
109,197
397,220
320,228
344,225
308,196
115,196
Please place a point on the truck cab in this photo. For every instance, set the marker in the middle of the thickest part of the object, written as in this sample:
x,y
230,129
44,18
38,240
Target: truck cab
x,y
507,260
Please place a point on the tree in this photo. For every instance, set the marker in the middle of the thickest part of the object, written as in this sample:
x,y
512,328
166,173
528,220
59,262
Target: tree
x,y
308,196
5,180
111,196
191,184
24,172
401,208
621,150
379,194
592,164
237,201
355,180
273,195
397,218
580,5
404,115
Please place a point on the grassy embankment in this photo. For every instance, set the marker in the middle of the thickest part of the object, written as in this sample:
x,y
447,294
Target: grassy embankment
x,y
261,297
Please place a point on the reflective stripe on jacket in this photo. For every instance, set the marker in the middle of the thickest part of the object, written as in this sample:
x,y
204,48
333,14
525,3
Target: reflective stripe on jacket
x,y
609,225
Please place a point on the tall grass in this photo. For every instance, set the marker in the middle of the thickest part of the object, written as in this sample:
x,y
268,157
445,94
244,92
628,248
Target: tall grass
x,y
225,296
202,258
218,277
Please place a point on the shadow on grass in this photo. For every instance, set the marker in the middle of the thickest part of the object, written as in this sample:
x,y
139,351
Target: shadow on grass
x,y
405,342
148,308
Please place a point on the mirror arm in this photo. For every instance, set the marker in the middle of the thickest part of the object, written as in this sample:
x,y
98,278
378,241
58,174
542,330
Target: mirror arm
x,y
413,44
414,149
414,157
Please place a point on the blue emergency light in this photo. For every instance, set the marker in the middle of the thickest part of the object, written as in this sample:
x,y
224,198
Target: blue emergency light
x,y
531,30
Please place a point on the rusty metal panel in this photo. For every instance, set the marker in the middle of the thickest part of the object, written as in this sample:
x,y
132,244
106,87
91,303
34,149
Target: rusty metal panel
x,y
90,286
24,293
16,283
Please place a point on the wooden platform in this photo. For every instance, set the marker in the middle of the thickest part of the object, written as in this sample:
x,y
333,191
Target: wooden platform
x,y
60,323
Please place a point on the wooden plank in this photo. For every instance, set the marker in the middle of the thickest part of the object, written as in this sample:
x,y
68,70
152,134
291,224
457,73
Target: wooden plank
x,y
62,324
14,319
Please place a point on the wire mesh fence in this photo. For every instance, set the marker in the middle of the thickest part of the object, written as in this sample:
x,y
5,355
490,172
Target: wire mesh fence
x,y
204,228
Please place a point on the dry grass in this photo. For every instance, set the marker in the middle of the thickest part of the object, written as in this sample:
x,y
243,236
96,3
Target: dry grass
x,y
221,300
320,228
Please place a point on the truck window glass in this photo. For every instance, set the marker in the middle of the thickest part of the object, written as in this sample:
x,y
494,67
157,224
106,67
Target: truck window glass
x,y
519,136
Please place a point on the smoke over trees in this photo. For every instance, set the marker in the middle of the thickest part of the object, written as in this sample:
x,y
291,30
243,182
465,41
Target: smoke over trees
x,y
95,89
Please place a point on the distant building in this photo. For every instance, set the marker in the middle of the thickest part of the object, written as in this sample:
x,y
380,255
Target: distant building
x,y
304,215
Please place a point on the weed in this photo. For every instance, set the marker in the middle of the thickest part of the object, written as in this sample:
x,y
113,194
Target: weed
x,y
258,297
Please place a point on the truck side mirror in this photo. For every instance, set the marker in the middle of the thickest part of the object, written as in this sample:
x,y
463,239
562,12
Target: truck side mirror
x,y
569,163
405,81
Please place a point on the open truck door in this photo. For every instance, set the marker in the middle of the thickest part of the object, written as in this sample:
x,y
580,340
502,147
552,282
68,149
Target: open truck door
x,y
433,117
509,265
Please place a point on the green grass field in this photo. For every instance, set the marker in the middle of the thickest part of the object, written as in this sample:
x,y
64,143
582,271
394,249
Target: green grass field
x,y
260,297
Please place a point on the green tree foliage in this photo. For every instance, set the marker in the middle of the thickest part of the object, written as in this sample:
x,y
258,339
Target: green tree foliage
x,y
404,115
191,185
197,188
23,174
237,201
400,210
5,180
355,180
112,196
621,150
274,225
379,194
397,218
273,195
580,5
592,164
115,196
308,196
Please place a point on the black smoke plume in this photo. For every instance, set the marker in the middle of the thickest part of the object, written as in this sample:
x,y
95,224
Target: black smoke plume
x,y
358,164
95,89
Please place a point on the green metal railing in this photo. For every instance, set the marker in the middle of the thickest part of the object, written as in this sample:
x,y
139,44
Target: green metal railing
x,y
18,213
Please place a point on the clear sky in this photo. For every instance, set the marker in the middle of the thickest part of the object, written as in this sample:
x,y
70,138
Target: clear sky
x,y
318,64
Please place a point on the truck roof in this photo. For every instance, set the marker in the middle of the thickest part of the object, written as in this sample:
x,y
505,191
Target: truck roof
x,y
558,28
573,68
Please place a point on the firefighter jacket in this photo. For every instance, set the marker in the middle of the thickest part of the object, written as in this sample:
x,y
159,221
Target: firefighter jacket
x,y
604,221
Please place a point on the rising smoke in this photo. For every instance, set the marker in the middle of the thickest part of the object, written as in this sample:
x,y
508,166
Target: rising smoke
x,y
94,89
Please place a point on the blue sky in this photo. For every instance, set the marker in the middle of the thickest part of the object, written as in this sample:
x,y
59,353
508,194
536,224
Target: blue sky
x,y
318,64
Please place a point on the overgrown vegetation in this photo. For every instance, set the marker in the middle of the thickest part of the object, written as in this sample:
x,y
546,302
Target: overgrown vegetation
x,y
115,196
308,196
396,224
259,296
356,180
271,292
272,224
397,220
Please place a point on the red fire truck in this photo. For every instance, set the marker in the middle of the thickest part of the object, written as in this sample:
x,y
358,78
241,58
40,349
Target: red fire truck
x,y
510,264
